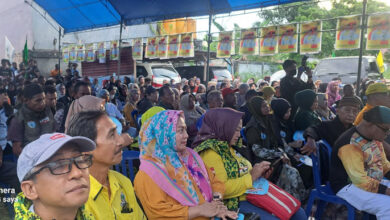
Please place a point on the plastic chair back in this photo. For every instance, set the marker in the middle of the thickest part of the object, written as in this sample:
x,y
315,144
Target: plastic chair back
x,y
126,165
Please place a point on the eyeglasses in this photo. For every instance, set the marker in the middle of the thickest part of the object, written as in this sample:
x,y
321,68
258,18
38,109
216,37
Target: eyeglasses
x,y
385,130
64,166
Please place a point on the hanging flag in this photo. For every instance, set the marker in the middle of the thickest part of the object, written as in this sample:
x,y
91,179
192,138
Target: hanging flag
x,y
65,54
137,49
25,53
379,61
151,48
249,42
173,46
101,50
310,38
186,45
72,53
225,44
378,32
80,53
288,38
90,50
268,40
114,51
348,33
9,50
162,47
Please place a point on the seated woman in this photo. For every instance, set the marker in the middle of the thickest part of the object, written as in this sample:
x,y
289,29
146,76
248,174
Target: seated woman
x,y
263,142
284,131
220,131
192,114
173,182
306,116
323,110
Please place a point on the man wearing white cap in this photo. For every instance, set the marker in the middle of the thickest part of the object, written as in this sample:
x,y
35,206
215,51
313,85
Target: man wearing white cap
x,y
54,176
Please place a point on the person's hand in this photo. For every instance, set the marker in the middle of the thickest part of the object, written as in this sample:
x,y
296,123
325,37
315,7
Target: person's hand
x,y
298,156
211,209
259,169
127,140
310,147
227,214
295,144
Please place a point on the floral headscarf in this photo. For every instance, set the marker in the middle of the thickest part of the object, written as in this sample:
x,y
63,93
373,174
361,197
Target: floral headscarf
x,y
160,160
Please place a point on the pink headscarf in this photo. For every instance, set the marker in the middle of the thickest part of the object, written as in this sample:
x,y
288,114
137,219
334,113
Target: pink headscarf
x,y
333,92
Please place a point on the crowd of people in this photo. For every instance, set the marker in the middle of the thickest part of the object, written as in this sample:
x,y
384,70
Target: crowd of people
x,y
202,146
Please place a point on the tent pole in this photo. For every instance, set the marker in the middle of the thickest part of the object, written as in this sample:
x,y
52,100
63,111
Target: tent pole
x,y
362,29
119,48
208,49
59,50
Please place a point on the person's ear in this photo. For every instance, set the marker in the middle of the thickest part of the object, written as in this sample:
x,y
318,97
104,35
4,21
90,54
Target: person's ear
x,y
29,189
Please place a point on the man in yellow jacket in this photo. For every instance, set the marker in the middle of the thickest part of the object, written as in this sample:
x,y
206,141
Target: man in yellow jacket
x,y
112,195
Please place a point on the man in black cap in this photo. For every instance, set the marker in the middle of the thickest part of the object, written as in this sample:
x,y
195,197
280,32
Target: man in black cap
x,y
359,164
329,131
150,100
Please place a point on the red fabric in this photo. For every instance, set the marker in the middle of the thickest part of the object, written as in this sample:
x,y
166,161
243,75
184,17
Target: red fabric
x,y
286,207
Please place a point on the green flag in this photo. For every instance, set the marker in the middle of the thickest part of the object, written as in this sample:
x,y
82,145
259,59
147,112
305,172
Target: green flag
x,y
333,53
25,53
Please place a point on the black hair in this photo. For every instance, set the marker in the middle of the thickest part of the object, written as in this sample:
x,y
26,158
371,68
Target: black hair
x,y
288,63
161,91
250,94
147,79
49,89
80,84
84,124
31,90
212,94
49,82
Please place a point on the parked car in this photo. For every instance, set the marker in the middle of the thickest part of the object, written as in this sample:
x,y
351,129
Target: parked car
x,y
158,72
219,73
346,68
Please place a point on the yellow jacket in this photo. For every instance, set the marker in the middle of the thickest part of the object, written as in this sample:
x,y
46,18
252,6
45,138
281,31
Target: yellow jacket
x,y
359,117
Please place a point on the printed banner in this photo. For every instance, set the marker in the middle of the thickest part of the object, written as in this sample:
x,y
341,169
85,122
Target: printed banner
x,y
378,32
288,38
248,42
310,38
80,53
225,44
268,41
151,48
114,51
173,46
348,33
65,54
186,45
72,53
137,49
90,50
101,50
162,47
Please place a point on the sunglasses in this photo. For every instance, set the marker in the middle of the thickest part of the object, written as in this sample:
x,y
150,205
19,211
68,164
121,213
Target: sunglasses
x,y
64,166
385,130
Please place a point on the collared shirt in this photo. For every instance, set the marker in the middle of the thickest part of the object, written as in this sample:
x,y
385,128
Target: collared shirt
x,y
122,203
113,111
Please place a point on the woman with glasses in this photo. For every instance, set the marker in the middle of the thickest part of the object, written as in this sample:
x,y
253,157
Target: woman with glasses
x,y
173,182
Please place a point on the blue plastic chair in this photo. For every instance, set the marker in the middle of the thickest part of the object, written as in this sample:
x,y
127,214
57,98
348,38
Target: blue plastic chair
x,y
324,193
242,132
126,165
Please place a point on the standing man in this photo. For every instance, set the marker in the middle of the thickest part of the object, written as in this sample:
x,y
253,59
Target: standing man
x,y
32,120
51,98
229,97
167,97
150,100
56,72
112,195
359,165
290,85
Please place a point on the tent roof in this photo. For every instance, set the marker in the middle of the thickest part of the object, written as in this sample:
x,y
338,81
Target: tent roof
x,y
77,15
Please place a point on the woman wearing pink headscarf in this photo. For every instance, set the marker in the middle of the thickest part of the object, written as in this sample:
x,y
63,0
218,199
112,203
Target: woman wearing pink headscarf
x,y
333,93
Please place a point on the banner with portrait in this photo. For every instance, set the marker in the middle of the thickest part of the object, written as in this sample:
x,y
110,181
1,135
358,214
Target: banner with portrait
x,y
114,50
137,49
151,47
90,51
288,38
225,44
268,40
101,50
162,47
249,42
80,53
65,54
173,45
310,38
348,33
378,32
186,45
72,53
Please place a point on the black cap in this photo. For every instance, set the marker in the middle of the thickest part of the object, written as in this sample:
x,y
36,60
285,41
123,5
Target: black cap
x,y
150,90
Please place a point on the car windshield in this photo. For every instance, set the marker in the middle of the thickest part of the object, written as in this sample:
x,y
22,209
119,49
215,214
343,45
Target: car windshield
x,y
164,71
343,66
222,72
